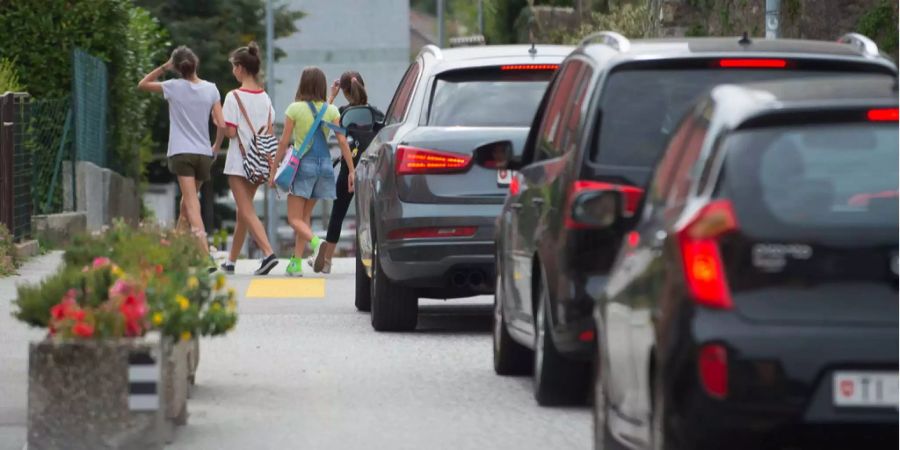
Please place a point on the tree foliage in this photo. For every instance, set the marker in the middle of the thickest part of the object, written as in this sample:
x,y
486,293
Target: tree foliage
x,y
631,21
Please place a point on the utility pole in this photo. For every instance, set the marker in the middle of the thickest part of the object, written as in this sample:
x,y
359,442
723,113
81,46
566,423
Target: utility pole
x,y
481,17
773,10
271,203
440,20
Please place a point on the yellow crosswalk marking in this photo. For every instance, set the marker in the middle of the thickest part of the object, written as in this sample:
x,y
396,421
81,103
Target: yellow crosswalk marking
x,y
286,288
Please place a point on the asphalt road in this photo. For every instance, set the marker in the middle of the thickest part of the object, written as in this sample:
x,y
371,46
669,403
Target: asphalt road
x,y
310,373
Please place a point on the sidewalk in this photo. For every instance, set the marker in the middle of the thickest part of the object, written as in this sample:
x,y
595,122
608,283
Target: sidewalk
x,y
14,338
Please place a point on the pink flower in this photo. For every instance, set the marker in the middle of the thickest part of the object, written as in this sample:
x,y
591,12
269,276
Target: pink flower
x,y
101,261
82,329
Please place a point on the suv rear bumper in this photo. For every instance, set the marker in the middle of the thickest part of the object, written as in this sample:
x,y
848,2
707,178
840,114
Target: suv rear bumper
x,y
441,267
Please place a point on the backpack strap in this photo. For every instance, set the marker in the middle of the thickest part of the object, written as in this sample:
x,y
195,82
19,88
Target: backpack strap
x,y
237,131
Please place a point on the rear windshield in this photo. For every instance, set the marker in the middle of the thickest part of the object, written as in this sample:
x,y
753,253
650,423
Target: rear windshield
x,y
491,98
642,108
835,175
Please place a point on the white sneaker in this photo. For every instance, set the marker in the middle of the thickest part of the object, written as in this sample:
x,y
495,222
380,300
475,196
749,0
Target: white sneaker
x,y
326,268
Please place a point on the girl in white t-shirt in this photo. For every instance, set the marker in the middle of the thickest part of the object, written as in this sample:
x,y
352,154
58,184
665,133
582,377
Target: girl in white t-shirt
x,y
257,113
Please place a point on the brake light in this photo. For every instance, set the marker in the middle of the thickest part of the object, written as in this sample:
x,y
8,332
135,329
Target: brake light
x,y
754,63
586,336
412,160
432,232
631,197
712,364
882,115
514,185
530,67
703,269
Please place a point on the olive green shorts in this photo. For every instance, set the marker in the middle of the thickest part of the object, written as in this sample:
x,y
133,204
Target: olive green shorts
x,y
191,165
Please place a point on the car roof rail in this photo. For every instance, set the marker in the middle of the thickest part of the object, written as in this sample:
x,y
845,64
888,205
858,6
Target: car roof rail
x,y
862,43
609,38
434,50
467,41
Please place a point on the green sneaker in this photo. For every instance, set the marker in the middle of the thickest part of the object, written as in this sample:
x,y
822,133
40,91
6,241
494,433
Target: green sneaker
x,y
295,267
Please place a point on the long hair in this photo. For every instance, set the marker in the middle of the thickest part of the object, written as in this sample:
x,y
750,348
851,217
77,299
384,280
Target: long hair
x,y
313,86
354,88
185,61
248,58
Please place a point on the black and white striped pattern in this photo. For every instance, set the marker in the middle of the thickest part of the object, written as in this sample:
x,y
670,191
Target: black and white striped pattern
x,y
143,382
256,160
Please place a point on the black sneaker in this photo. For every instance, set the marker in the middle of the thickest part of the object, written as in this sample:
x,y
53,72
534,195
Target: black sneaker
x,y
228,267
266,265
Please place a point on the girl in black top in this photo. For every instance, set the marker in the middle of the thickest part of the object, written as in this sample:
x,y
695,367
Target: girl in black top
x,y
353,87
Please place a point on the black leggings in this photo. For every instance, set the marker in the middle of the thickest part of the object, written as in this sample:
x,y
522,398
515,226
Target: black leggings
x,y
340,206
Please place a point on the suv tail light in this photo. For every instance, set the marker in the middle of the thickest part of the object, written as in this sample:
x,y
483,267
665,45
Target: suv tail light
x,y
712,364
752,63
883,115
703,268
531,67
631,198
412,160
432,232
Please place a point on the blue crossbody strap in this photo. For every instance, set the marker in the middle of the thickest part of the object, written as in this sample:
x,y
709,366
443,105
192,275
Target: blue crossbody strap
x,y
309,134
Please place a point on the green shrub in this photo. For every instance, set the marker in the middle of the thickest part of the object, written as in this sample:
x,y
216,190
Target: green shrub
x,y
8,261
629,20
880,24
9,78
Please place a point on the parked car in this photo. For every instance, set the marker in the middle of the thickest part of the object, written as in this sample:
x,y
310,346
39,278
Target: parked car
x,y
425,213
756,300
601,126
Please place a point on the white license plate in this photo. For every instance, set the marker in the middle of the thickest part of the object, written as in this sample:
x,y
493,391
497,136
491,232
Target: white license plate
x,y
504,177
866,389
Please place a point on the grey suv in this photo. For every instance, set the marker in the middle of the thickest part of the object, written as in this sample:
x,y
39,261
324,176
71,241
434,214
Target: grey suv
x,y
425,212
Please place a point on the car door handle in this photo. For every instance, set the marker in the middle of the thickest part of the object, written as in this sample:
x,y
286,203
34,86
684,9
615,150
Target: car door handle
x,y
537,201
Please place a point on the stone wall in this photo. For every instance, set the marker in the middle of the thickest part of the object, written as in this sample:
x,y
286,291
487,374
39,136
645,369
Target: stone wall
x,y
103,195
803,19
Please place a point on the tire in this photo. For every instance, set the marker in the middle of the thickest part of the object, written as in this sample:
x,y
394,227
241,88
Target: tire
x,y
557,379
363,299
510,357
394,307
603,439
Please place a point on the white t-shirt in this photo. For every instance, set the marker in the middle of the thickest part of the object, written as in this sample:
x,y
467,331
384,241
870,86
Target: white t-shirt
x,y
259,107
190,107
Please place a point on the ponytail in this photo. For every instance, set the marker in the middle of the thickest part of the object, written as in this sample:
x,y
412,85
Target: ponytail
x,y
354,88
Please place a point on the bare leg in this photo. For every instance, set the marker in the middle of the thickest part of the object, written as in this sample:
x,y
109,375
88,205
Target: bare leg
x,y
190,200
298,210
247,219
237,240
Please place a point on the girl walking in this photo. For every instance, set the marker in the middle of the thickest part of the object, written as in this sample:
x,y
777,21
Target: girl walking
x,y
315,176
353,87
248,113
191,103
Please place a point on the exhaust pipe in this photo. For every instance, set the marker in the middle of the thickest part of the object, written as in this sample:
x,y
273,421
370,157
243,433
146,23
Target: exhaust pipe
x,y
458,279
476,279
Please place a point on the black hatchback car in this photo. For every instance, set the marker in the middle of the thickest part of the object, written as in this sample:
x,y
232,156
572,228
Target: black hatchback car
x,y
755,303
425,213
601,127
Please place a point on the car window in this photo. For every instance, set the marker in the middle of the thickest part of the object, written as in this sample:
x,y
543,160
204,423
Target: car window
x,y
487,97
815,176
684,172
397,111
665,169
569,140
547,139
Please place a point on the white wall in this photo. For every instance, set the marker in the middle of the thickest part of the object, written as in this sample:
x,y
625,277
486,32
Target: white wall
x,y
369,36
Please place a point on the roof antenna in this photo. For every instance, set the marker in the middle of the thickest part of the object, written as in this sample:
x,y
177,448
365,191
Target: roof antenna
x,y
532,50
745,39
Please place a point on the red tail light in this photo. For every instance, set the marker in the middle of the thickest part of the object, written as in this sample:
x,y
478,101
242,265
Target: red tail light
x,y
703,268
530,67
712,363
432,232
631,197
514,184
412,160
752,63
883,115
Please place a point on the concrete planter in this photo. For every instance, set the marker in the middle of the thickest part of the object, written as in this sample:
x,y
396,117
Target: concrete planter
x,y
193,359
175,371
96,394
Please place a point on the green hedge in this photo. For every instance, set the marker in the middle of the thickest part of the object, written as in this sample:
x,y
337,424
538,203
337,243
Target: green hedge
x,y
40,35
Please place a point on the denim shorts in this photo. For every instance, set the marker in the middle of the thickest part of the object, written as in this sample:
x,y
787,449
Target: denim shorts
x,y
315,179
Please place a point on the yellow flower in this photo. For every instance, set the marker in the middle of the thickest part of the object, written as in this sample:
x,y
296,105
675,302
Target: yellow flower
x,y
157,318
193,282
220,282
231,294
117,271
185,335
216,306
183,302
232,305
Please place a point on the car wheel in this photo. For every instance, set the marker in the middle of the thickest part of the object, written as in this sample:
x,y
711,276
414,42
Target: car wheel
x,y
510,357
557,379
363,298
603,439
394,307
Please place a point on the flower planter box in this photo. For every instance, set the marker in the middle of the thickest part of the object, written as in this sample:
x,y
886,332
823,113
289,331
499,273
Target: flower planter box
x,y
193,360
101,394
175,371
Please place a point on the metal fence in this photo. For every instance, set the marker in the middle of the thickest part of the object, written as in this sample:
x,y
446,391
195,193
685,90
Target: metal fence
x,y
89,100
49,141
15,166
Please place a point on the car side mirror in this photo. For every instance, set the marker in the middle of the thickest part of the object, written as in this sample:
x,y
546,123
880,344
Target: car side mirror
x,y
497,155
358,118
597,209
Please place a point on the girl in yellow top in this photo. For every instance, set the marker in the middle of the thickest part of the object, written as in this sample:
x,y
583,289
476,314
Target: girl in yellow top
x,y
315,178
